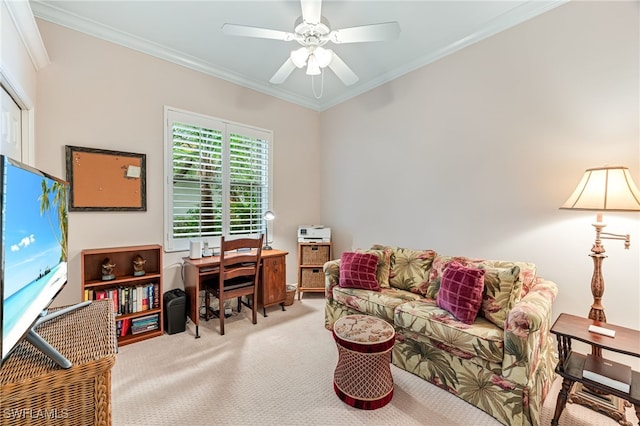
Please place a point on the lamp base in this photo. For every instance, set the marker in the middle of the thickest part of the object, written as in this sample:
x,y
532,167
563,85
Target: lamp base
x,y
609,405
267,247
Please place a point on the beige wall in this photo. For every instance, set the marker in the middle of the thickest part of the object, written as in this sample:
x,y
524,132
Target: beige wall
x,y
474,154
14,56
471,155
100,95
18,74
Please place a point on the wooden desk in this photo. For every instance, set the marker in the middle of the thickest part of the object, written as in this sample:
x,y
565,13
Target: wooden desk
x,y
570,363
35,391
272,285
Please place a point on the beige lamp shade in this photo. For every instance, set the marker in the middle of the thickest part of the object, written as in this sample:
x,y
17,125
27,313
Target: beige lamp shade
x,y
605,189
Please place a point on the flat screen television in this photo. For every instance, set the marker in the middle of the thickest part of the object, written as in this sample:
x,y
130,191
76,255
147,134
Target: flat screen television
x,y
34,222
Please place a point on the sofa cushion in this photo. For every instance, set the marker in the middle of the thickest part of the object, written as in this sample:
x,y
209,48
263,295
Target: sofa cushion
x,y
445,360
527,271
501,290
358,270
409,268
380,304
525,279
384,264
482,338
461,291
438,267
501,293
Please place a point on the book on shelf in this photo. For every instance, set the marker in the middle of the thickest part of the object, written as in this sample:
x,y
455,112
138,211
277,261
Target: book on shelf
x,y
126,326
113,295
139,330
145,320
123,300
145,323
156,295
88,294
608,373
128,299
133,300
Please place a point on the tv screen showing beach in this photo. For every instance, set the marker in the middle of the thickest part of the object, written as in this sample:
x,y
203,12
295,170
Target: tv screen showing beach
x,y
34,247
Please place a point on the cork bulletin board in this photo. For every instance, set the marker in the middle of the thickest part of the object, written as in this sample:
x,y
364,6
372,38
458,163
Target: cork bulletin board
x,y
103,180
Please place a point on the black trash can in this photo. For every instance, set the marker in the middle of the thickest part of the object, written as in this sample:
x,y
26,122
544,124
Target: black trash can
x,y
175,311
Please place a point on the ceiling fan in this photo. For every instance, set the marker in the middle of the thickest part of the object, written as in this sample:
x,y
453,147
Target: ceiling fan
x,y
312,32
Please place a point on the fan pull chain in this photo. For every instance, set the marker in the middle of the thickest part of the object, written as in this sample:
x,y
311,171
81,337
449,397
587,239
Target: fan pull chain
x,y
313,86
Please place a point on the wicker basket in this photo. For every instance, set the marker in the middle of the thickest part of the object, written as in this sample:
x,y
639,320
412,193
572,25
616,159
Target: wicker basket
x,y
315,254
35,391
312,278
291,295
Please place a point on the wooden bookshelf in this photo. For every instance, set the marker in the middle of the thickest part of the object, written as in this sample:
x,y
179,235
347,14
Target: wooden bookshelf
x,y
94,287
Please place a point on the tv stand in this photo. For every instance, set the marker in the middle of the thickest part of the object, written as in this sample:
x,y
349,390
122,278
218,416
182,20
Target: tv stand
x,y
36,340
35,390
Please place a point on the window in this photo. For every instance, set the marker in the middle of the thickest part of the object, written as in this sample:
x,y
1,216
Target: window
x,y
10,126
218,179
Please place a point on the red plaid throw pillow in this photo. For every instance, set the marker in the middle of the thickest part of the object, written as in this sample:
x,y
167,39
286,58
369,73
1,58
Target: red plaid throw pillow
x,y
461,291
358,270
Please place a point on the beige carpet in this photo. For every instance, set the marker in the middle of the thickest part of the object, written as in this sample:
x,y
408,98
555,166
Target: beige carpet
x,y
278,372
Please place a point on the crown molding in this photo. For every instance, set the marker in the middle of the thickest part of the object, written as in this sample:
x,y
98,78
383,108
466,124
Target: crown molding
x,y
53,14
507,20
22,17
49,12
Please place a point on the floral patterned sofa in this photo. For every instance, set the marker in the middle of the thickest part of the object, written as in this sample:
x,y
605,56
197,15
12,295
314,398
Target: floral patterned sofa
x,y
503,362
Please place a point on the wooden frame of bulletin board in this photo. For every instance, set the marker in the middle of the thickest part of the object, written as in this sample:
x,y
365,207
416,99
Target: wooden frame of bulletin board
x,y
103,180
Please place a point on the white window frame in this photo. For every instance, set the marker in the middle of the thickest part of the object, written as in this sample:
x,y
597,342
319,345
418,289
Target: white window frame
x,y
172,115
27,126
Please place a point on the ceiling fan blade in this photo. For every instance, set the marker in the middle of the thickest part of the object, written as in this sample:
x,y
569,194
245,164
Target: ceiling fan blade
x,y
311,11
283,73
373,32
341,69
245,31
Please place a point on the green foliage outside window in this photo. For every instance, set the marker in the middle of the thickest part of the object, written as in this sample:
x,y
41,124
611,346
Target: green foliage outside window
x,y
198,182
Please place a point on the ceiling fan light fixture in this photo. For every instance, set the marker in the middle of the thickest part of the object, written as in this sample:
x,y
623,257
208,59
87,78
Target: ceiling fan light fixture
x,y
299,57
323,56
312,31
312,66
304,27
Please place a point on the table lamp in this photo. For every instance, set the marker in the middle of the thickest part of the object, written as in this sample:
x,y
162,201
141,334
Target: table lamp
x,y
268,217
609,188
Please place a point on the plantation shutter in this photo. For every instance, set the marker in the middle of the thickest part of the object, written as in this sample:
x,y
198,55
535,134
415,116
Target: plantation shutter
x,y
197,181
248,180
217,179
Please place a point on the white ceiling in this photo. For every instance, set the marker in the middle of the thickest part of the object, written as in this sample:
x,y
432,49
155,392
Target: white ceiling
x,y
189,33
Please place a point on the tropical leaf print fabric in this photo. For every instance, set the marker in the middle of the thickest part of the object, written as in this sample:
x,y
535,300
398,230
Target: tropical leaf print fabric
x,y
503,362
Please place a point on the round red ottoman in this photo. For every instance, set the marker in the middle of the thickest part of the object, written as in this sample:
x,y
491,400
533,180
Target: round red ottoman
x,y
362,377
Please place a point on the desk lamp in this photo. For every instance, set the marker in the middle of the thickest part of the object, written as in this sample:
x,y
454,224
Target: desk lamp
x,y
268,217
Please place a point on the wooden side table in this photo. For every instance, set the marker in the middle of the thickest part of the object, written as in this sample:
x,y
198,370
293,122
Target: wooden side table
x,y
570,364
35,391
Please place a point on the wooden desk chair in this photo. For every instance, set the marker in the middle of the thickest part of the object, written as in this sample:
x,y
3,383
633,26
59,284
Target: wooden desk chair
x,y
238,276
